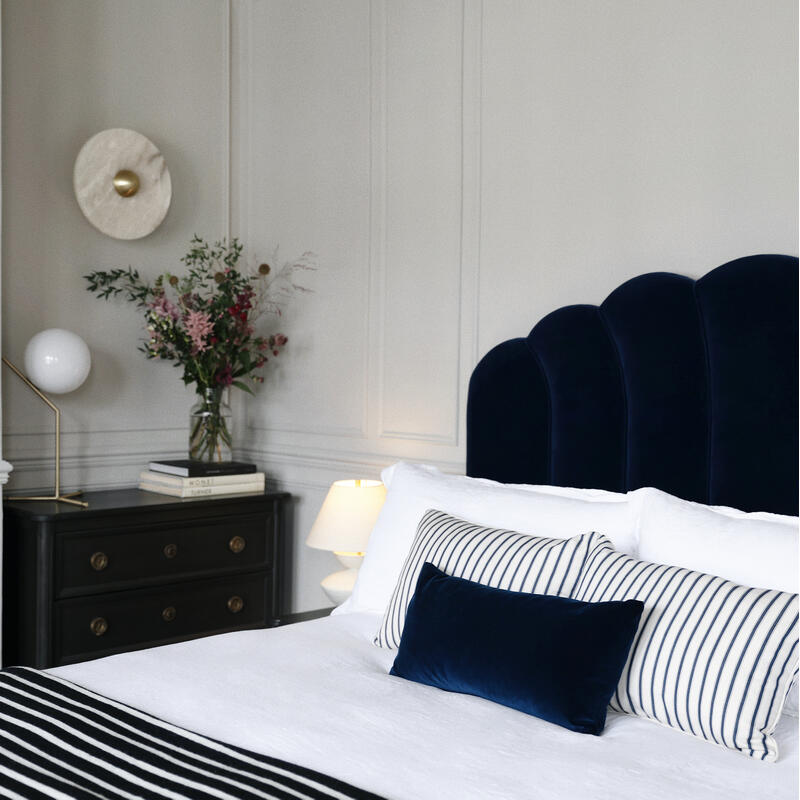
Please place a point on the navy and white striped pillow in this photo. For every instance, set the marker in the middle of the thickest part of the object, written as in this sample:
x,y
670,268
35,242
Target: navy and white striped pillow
x,y
490,556
711,658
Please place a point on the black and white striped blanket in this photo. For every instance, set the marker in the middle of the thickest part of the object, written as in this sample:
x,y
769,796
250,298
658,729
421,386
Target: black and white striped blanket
x,y
60,741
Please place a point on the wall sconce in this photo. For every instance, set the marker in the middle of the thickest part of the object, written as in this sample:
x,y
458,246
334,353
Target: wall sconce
x,y
122,183
56,361
343,525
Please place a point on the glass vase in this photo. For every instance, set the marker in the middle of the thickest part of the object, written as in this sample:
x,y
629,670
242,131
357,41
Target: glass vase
x,y
210,426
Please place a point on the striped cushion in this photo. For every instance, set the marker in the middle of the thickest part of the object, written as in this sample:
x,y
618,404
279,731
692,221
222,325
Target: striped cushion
x,y
711,658
490,556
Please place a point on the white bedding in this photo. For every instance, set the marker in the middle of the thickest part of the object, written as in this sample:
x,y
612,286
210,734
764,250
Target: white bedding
x,y
318,694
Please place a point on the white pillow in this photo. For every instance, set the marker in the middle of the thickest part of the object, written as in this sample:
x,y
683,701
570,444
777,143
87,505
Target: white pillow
x,y
413,489
758,549
562,491
792,700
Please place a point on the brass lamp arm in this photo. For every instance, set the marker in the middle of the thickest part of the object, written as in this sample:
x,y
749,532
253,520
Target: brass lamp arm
x,y
57,496
32,386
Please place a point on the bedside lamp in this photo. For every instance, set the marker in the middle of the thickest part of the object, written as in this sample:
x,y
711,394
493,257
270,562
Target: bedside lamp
x,y
343,525
56,361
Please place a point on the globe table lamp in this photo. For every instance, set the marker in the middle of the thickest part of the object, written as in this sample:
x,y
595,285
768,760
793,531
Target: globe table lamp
x,y
343,525
56,361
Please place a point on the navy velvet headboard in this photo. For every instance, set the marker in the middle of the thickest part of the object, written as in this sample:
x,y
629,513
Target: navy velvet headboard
x,y
689,386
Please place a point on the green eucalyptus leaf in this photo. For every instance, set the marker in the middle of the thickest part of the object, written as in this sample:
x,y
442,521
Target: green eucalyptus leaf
x,y
243,386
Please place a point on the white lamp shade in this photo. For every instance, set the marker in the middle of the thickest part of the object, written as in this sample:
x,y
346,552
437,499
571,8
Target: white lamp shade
x,y
57,361
347,516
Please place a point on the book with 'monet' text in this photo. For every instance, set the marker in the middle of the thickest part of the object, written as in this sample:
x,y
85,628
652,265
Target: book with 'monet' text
x,y
254,479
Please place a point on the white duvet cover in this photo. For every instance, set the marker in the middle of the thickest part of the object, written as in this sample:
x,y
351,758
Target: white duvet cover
x,y
318,694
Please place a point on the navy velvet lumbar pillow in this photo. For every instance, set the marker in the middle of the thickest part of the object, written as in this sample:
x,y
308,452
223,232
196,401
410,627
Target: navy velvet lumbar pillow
x,y
552,657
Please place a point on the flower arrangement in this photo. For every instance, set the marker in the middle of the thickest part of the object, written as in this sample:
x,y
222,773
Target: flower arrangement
x,y
205,322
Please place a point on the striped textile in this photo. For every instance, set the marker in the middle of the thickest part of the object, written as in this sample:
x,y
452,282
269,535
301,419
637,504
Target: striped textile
x,y
60,741
490,556
711,658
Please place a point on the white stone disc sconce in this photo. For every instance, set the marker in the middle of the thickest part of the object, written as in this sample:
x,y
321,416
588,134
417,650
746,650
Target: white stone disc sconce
x,y
122,183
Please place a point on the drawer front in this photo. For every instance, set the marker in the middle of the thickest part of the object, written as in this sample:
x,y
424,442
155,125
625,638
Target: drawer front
x,y
88,627
97,561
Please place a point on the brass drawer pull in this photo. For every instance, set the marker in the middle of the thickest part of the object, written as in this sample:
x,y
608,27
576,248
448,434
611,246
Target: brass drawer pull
x,y
99,561
237,544
169,614
170,550
98,626
235,604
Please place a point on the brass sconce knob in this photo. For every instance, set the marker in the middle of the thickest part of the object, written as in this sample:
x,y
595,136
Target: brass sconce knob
x,y
169,614
99,561
98,626
126,182
170,550
237,544
235,604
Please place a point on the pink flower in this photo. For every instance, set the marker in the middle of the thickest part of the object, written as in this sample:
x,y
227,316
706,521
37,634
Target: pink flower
x,y
198,326
162,307
280,340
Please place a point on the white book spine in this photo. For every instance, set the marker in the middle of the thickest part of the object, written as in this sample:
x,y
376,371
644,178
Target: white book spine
x,y
251,478
199,491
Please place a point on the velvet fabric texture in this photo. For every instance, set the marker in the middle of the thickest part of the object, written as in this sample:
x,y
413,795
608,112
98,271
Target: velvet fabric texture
x,y
688,386
552,657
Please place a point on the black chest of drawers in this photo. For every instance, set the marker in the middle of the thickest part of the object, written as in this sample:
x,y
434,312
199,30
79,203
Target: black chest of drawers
x,y
134,570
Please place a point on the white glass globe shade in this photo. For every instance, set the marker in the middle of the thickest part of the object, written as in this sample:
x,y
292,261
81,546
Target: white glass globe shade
x,y
57,361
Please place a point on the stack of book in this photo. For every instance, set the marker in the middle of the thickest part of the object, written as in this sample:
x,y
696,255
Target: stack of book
x,y
198,479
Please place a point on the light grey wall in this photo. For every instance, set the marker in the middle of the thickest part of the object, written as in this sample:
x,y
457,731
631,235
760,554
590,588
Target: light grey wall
x,y
461,168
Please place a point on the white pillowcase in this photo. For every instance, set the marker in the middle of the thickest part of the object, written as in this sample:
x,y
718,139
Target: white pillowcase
x,y
413,489
562,491
757,549
792,700
711,658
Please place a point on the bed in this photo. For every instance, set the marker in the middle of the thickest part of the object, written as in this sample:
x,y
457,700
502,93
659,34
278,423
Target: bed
x,y
686,386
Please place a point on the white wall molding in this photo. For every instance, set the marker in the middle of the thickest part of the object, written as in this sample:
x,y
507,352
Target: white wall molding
x,y
240,102
378,201
339,431
250,19
413,31
377,211
227,67
470,268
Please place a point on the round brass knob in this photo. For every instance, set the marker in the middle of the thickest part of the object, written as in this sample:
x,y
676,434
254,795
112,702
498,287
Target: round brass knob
x,y
235,604
170,550
169,614
126,182
98,626
237,544
99,561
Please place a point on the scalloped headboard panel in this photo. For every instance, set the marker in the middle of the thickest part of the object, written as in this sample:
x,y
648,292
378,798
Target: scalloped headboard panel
x,y
688,386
